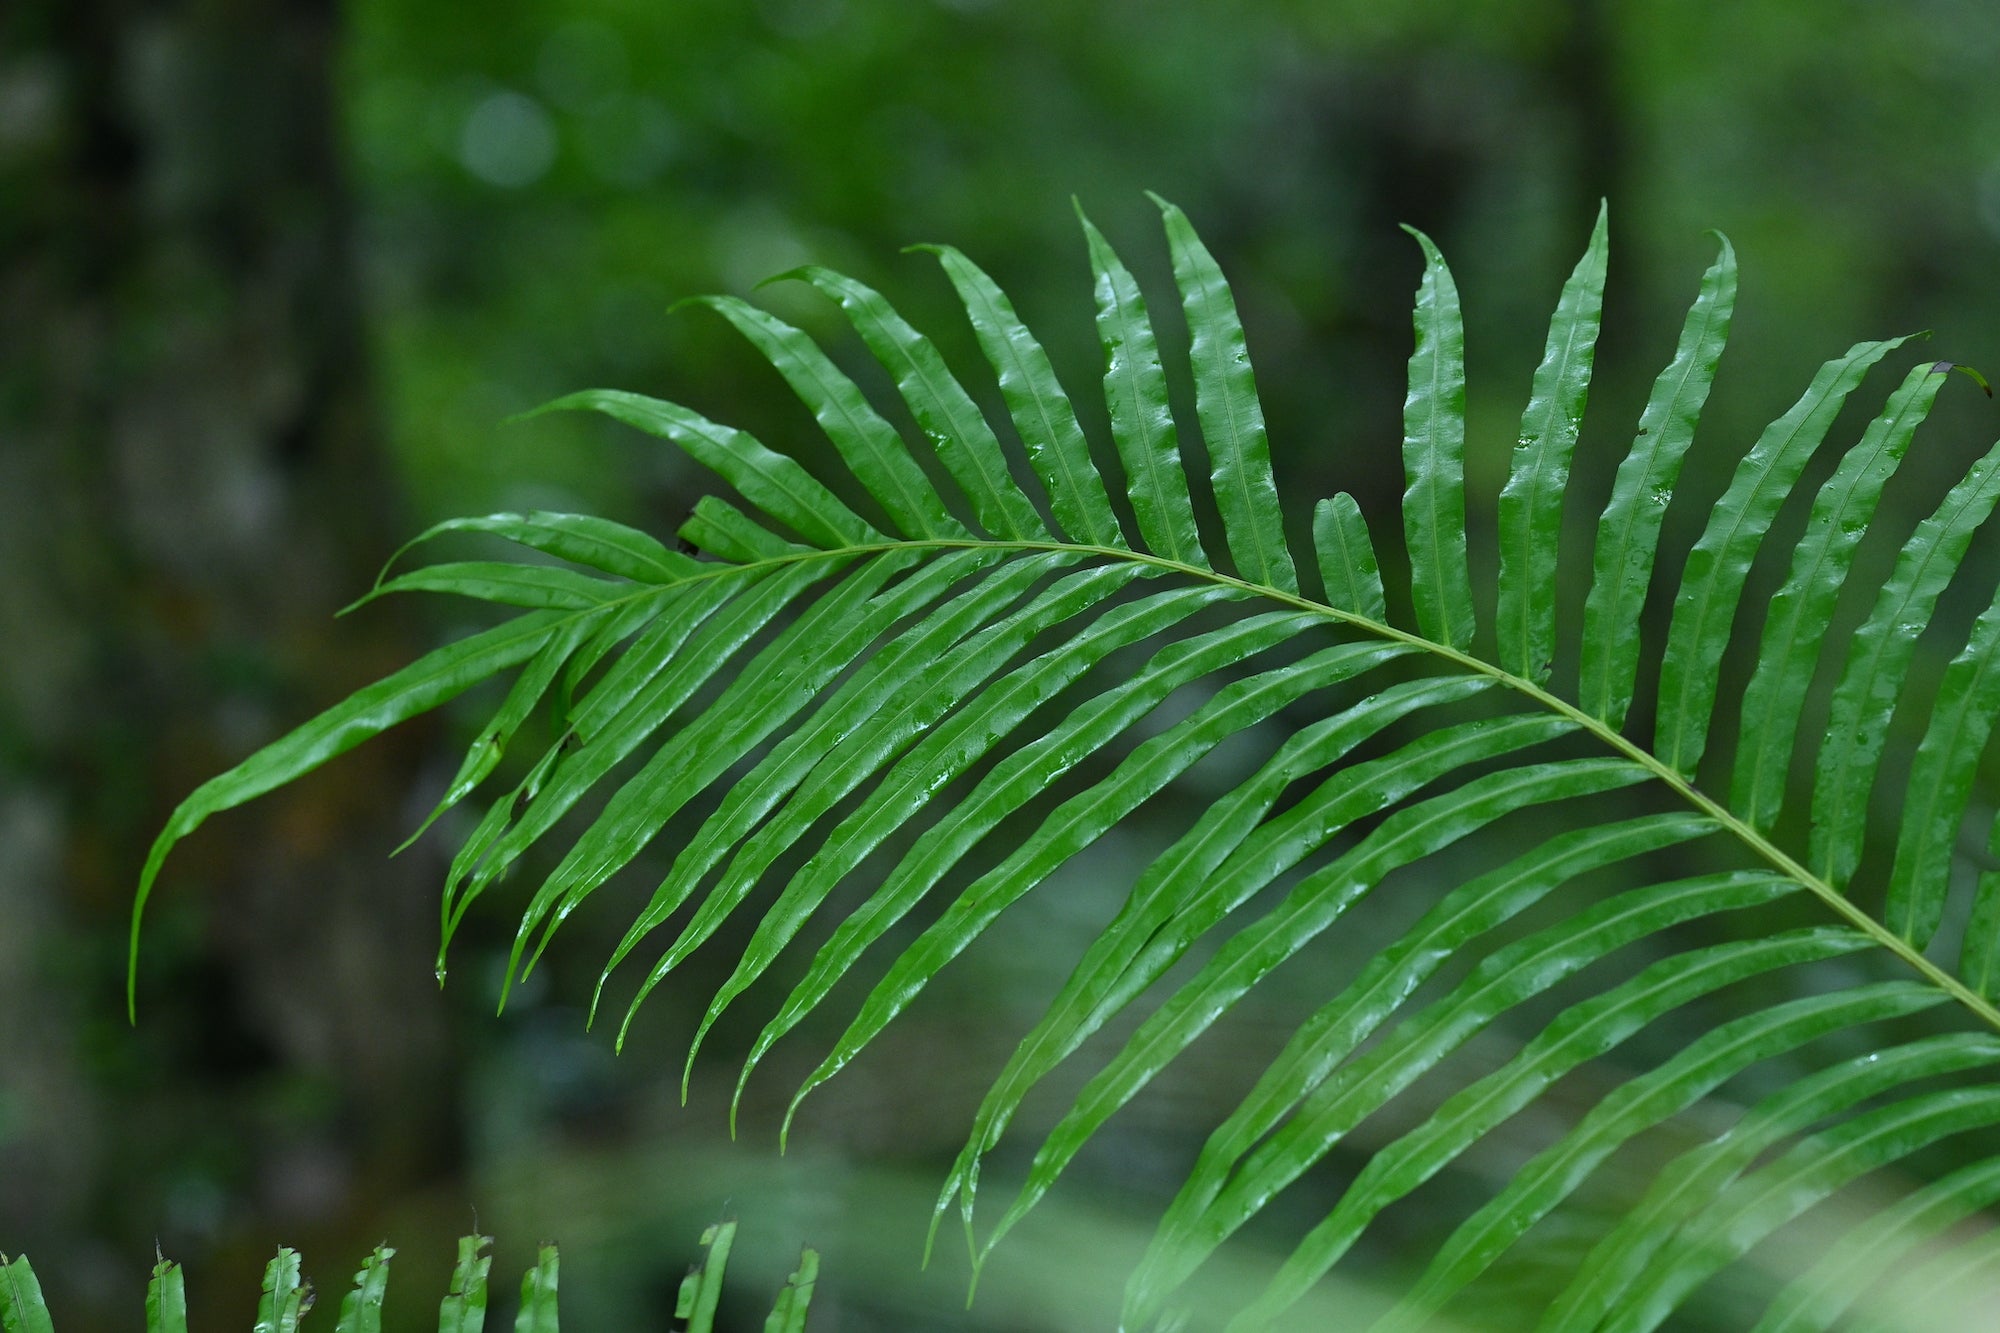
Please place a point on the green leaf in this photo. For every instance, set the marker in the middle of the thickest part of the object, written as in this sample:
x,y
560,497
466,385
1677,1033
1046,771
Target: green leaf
x,y
1878,660
463,1309
417,688
21,1307
1232,420
869,446
1795,624
767,693
166,1298
853,734
774,483
1531,502
538,1294
1041,410
1628,534
1024,774
1142,422
701,1289
578,538
624,711
1434,459
949,418
286,1297
1212,870
1071,827
1712,583
726,532
946,751
789,1314
1347,558
361,1308
1940,781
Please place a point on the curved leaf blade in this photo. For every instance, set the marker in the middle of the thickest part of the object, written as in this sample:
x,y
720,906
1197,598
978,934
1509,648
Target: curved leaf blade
x,y
1712,582
1347,565
1532,500
1041,410
1142,422
949,418
1232,420
872,449
1878,660
1434,459
1795,623
1628,534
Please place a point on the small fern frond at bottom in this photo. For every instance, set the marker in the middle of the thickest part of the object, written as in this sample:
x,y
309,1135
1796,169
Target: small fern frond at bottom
x,y
287,1296
1557,865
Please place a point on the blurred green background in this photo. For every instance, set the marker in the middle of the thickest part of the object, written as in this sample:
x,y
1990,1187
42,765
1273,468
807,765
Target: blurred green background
x,y
275,273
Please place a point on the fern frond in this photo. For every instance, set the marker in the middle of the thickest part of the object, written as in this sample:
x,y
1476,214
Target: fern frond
x,y
1002,674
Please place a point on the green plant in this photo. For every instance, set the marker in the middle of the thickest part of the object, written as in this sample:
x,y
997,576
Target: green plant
x,y
288,1297
954,658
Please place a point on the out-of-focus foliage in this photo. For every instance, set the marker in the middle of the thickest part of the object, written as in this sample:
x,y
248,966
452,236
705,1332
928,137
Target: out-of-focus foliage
x,y
211,329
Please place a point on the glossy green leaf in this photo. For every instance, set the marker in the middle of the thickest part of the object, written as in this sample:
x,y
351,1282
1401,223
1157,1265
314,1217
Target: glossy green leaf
x,y
22,1309
361,1307
1228,856
581,539
286,1296
1232,420
1041,410
1020,777
1347,565
1712,583
166,1298
417,688
870,446
1796,620
1531,502
538,1294
773,482
701,1289
765,694
949,418
659,675
1070,828
1878,660
463,1309
854,734
789,1314
1434,459
946,751
1628,534
1940,783
726,532
1142,422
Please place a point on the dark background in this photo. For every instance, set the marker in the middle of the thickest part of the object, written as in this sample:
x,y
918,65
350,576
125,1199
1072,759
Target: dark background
x,y
274,273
